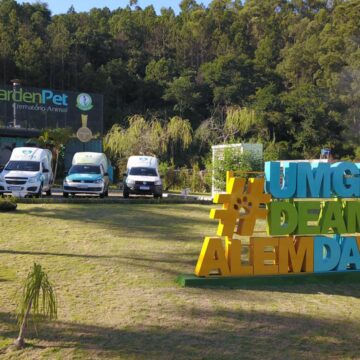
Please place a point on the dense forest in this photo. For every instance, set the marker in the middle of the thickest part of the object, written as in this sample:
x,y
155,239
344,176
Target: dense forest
x,y
283,73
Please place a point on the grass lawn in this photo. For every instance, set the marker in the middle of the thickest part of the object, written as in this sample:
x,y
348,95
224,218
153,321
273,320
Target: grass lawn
x,y
114,269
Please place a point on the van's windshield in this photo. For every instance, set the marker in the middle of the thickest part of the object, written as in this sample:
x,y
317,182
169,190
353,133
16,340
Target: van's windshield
x,y
85,169
143,171
23,166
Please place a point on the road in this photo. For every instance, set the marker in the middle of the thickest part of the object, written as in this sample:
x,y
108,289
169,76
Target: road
x,y
57,193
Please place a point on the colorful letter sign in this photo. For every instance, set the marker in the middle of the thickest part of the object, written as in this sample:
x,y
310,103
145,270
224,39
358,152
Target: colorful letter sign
x,y
312,212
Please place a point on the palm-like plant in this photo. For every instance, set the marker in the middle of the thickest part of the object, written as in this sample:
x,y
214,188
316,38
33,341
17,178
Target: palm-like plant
x,y
38,298
54,139
59,137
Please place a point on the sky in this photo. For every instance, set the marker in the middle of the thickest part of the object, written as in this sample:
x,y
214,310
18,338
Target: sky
x,y
62,6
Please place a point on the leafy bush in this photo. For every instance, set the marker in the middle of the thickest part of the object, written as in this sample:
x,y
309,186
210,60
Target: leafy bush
x,y
233,159
7,204
276,151
178,179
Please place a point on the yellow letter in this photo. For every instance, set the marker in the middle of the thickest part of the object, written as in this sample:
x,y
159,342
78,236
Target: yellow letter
x,y
233,254
264,259
212,257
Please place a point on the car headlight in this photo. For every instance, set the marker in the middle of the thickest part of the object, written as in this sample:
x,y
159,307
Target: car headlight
x,y
32,179
130,182
2,178
98,181
65,181
158,182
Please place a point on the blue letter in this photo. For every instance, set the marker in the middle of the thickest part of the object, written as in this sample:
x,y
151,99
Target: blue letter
x,y
272,175
313,180
345,186
350,256
46,94
326,254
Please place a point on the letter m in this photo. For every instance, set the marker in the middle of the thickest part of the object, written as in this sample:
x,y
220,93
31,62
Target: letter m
x,y
296,255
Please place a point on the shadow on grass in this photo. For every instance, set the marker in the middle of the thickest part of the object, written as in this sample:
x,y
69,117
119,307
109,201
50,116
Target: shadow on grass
x,y
163,258
346,289
157,263
236,335
162,220
45,253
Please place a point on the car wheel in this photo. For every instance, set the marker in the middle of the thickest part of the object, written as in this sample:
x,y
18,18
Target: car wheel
x,y
126,192
39,193
48,193
65,194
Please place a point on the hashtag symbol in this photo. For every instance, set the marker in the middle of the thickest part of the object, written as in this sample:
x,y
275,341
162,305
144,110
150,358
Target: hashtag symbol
x,y
241,206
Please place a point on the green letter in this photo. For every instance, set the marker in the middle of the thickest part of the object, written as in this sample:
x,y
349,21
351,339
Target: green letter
x,y
331,217
3,94
352,216
38,100
282,218
27,97
308,211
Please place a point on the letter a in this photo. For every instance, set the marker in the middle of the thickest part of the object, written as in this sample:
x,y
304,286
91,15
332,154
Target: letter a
x,y
212,257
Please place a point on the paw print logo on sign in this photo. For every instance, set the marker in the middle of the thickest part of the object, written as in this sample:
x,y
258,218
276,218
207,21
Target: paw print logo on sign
x,y
242,206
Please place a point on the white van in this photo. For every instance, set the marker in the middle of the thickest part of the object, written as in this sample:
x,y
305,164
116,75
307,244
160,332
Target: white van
x,y
87,175
28,172
142,177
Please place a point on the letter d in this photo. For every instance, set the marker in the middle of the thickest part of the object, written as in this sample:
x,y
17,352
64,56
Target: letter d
x,y
326,253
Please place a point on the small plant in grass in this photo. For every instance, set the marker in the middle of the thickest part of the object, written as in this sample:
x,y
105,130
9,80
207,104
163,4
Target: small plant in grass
x,y
37,300
7,204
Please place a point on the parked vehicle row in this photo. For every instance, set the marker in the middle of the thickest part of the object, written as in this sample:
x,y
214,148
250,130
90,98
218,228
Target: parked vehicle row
x,y
29,173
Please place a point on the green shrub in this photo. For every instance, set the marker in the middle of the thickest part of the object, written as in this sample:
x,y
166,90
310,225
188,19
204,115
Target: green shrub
x,y
233,159
178,179
276,151
7,204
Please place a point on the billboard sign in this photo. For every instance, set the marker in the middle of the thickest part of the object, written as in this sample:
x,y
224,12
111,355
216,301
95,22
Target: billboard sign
x,y
45,108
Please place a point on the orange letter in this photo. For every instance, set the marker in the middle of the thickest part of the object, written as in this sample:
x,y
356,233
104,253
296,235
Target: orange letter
x,y
296,255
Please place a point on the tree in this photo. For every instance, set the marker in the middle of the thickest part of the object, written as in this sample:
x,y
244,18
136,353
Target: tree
x,y
235,126
230,78
239,121
29,57
37,298
178,133
140,138
143,137
184,93
315,121
60,43
199,64
9,22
